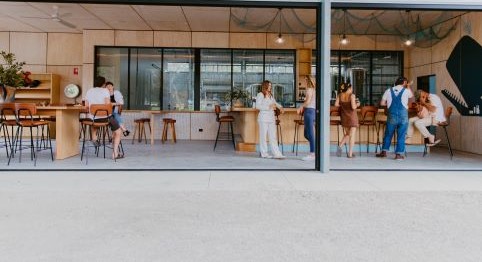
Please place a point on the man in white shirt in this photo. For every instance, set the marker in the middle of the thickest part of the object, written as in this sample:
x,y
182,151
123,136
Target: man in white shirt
x,y
396,99
435,114
100,95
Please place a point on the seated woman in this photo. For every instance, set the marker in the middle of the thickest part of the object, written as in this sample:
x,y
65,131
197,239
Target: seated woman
x,y
426,111
116,98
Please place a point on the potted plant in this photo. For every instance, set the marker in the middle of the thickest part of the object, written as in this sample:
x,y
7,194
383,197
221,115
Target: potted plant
x,y
237,96
11,76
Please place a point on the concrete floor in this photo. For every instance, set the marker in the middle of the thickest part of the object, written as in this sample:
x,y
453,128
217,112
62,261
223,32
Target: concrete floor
x,y
240,216
199,155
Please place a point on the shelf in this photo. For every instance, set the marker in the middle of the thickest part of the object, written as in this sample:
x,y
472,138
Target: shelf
x,y
46,92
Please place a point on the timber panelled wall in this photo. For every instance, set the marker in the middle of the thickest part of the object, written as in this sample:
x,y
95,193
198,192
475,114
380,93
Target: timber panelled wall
x,y
60,53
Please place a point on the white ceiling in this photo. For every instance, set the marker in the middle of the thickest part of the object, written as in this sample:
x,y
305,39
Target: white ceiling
x,y
36,17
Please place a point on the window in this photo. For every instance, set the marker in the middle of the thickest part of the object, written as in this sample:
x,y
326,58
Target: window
x,y
178,79
248,71
215,78
369,72
280,70
194,79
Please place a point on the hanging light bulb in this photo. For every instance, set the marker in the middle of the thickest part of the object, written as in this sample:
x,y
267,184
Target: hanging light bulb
x,y
408,41
344,40
279,39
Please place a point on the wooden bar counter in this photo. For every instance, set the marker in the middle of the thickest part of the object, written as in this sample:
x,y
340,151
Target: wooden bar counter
x,y
246,125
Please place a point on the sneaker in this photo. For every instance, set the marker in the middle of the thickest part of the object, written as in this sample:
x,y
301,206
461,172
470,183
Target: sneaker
x,y
279,156
382,154
399,157
338,151
266,156
309,157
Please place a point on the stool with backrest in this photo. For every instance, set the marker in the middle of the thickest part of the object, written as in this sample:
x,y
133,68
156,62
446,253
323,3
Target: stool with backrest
x,y
224,120
444,125
368,118
100,120
7,119
277,113
26,117
298,123
140,129
166,123
381,125
335,121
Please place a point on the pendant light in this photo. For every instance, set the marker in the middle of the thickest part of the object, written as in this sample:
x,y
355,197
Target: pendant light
x,y
279,39
344,40
408,40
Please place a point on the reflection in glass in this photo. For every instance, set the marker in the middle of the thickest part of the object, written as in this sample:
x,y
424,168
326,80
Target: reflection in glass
x,y
248,72
145,79
112,64
215,78
280,70
178,80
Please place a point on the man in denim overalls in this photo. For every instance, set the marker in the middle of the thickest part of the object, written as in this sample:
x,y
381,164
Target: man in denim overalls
x,y
396,99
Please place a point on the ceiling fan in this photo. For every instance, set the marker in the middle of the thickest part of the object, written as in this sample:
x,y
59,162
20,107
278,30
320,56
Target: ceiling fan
x,y
55,16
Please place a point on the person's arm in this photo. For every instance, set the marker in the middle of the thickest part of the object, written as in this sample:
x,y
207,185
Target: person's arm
x,y
119,98
383,102
354,103
308,97
337,101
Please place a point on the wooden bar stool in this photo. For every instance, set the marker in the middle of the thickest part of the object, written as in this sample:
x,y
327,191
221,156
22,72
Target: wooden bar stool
x,y
140,129
224,119
166,123
277,112
298,123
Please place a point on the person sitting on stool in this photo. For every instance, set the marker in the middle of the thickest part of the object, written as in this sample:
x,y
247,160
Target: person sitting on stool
x,y
430,112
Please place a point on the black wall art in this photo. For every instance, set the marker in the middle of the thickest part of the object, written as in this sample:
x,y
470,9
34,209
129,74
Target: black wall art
x,y
465,67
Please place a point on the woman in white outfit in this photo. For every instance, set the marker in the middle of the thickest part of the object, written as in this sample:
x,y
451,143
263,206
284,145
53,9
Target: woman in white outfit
x,y
266,104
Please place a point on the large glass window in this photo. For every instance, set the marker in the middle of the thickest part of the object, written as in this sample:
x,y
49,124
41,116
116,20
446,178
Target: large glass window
x,y
248,71
194,79
369,72
112,63
280,70
145,79
178,80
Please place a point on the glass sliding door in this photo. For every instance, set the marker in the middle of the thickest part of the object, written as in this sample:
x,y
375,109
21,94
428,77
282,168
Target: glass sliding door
x,y
145,79
280,70
178,79
215,78
248,72
112,63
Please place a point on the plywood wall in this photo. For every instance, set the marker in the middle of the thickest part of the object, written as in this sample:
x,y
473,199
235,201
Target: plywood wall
x,y
464,131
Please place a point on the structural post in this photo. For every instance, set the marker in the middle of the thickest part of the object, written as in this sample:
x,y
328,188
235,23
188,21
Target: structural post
x,y
323,79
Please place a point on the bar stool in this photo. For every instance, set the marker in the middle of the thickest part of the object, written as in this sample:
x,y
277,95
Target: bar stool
x,y
140,129
444,125
277,112
7,119
24,115
335,112
100,120
224,119
368,118
168,122
298,123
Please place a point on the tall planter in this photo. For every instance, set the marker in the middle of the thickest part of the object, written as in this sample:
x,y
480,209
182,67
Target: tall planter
x,y
7,94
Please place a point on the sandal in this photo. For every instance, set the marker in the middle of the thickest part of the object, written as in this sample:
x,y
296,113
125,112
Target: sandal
x,y
119,156
352,156
126,132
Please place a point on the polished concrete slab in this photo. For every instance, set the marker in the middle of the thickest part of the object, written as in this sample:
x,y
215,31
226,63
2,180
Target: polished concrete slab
x,y
199,155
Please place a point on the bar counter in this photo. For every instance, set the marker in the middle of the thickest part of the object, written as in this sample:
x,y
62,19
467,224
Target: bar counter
x,y
247,126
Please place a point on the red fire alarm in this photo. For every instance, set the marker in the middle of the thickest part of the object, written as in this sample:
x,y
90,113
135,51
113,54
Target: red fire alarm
x,y
76,71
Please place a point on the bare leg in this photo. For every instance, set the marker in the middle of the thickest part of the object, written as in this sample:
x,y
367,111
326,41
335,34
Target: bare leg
x,y
352,141
346,136
116,136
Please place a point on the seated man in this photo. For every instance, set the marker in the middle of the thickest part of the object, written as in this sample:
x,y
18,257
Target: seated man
x,y
100,95
430,112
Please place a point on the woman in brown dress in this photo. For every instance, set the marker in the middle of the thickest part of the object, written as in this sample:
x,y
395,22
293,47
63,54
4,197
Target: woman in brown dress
x,y
348,104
